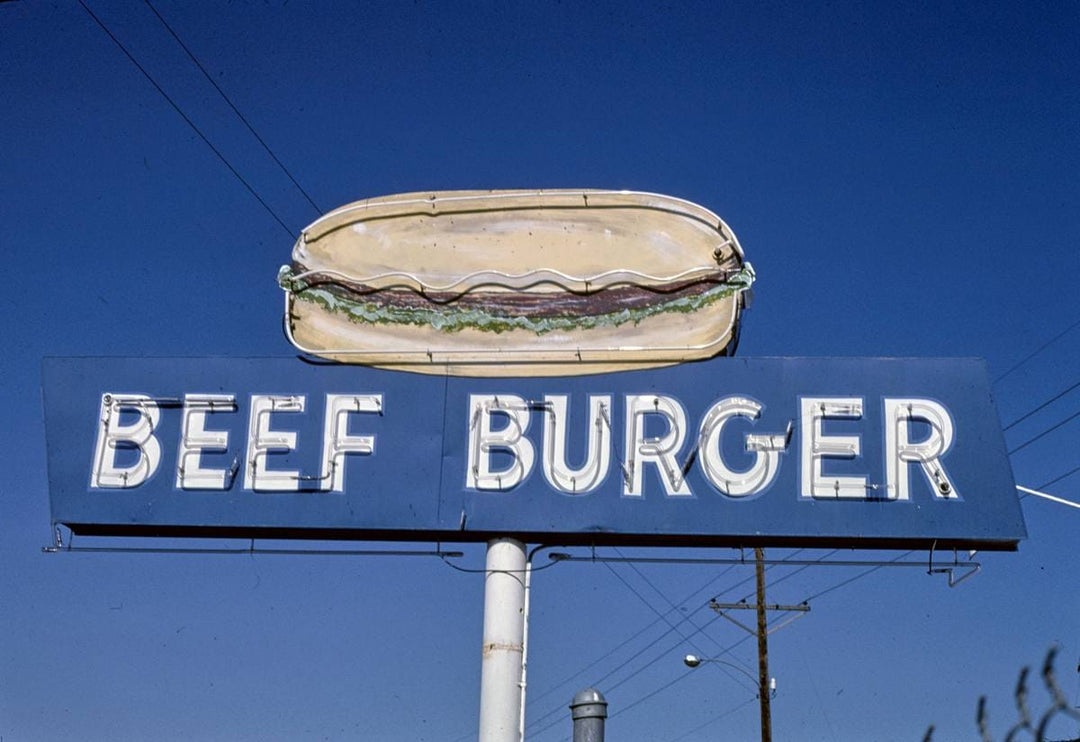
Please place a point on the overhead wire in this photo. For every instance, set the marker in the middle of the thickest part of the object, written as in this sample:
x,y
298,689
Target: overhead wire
x,y
232,105
1035,410
651,584
637,702
675,627
818,594
821,593
651,694
553,717
806,600
1045,433
859,576
623,709
658,639
1058,478
556,711
630,639
1037,351
538,721
785,577
714,719
548,714
679,678
187,119
666,651
746,597
1041,407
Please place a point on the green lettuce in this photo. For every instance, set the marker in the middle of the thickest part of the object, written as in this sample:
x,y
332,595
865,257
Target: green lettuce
x,y
448,318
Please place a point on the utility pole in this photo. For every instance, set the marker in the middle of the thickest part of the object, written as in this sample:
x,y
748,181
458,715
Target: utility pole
x,y
762,648
762,633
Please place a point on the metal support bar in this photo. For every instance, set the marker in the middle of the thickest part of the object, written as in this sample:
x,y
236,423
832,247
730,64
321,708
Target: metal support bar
x,y
746,606
60,546
721,609
269,552
768,562
785,622
737,622
524,684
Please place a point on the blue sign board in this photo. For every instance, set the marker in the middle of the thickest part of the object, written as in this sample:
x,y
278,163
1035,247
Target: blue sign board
x,y
874,453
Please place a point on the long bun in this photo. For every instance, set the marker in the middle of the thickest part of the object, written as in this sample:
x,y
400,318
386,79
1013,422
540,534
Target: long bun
x,y
502,283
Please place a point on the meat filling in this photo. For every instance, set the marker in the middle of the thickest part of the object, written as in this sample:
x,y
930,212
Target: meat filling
x,y
563,303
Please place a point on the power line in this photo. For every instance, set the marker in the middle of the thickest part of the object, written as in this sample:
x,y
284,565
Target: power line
x,y
679,678
818,594
1045,433
674,627
597,681
186,119
1057,479
236,110
1041,407
859,576
666,599
666,652
670,683
649,695
687,617
715,719
1039,350
633,636
662,654
696,631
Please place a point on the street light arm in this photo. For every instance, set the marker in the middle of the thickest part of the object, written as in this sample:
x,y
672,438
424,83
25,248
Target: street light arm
x,y
692,660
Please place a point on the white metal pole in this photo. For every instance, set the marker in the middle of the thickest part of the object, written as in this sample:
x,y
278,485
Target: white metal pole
x,y
504,629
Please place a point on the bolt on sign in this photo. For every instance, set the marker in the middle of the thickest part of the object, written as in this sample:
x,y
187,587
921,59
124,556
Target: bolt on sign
x,y
547,365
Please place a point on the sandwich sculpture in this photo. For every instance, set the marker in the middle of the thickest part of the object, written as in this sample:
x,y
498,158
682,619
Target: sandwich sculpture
x,y
516,283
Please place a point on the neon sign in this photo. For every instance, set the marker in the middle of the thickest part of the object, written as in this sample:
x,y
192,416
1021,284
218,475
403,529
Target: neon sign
x,y
821,451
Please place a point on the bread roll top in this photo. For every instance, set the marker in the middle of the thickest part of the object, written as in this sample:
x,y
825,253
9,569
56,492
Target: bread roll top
x,y
535,241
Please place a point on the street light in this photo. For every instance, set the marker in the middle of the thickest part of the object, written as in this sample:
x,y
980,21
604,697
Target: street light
x,y
692,660
765,690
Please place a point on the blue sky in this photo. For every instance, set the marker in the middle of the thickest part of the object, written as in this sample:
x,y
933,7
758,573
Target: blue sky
x,y
903,178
